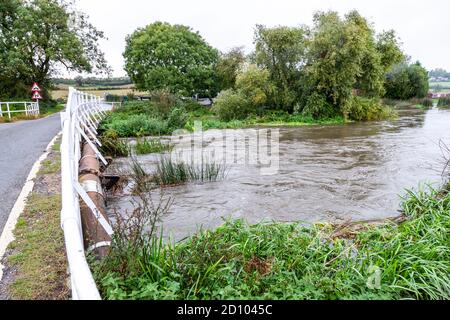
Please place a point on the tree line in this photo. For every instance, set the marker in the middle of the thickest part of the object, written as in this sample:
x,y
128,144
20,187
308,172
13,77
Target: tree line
x,y
337,66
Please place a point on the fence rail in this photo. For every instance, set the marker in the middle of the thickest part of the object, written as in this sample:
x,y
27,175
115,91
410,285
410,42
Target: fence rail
x,y
79,125
29,108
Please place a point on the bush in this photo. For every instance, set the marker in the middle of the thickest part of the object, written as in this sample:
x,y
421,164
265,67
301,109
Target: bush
x,y
444,102
230,105
318,107
254,84
365,109
427,103
112,145
406,81
177,117
146,146
138,125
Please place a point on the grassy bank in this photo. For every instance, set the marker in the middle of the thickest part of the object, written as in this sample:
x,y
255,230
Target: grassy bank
x,y
136,119
36,264
410,260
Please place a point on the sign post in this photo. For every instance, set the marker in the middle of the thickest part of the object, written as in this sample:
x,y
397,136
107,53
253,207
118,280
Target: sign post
x,y
36,95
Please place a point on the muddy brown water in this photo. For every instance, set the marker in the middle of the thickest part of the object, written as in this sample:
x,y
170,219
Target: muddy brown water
x,y
356,172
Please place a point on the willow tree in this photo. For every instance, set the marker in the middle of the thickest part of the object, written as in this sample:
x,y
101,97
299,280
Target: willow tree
x,y
281,50
346,58
39,38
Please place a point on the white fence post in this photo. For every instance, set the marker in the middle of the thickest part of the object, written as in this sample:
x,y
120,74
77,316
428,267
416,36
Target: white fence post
x,y
79,123
29,108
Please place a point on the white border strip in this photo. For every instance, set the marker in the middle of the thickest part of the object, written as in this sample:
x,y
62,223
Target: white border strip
x,y
7,235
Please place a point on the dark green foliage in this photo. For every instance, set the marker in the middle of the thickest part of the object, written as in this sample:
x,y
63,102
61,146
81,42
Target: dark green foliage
x,y
228,67
406,81
94,82
444,102
112,145
37,38
289,261
281,51
427,103
171,172
136,125
318,107
136,119
170,57
146,146
366,109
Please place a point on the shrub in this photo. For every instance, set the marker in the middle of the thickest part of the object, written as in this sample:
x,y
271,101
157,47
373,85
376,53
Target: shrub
x,y
177,117
163,101
364,109
427,103
146,146
406,81
231,105
112,145
444,102
318,107
137,125
254,84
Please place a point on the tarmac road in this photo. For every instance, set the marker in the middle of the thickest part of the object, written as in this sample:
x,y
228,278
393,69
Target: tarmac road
x,y
21,144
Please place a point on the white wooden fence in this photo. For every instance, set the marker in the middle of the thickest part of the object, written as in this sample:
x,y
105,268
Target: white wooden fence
x,y
79,124
29,108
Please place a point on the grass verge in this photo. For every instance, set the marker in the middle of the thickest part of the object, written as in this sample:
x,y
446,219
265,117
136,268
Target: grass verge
x,y
37,259
289,261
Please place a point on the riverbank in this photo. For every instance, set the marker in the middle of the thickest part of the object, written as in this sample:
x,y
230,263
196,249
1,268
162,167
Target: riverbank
x,y
409,260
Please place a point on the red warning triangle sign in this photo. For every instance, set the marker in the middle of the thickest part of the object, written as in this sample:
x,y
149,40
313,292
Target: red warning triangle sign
x,y
35,87
36,95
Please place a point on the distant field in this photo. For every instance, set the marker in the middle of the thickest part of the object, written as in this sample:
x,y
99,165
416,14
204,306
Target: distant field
x,y
442,84
62,91
441,87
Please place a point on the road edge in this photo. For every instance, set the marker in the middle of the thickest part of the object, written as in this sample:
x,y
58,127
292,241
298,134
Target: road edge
x,y
7,235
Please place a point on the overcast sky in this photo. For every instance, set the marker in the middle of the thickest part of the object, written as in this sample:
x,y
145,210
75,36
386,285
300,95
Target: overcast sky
x,y
423,26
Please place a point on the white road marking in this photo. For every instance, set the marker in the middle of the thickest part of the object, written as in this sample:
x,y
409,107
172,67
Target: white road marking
x,y
7,235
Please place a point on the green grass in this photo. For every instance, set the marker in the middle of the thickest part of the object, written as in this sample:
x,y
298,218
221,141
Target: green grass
x,y
112,145
170,172
50,166
137,119
270,118
146,146
444,103
38,249
290,261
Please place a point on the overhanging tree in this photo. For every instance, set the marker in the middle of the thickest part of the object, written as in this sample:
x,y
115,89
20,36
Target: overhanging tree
x,y
40,37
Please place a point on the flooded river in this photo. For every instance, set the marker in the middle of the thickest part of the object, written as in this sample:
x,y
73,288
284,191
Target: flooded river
x,y
326,173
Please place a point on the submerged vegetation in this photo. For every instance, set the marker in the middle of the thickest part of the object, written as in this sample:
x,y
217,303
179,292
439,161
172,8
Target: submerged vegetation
x,y
171,172
289,261
444,102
